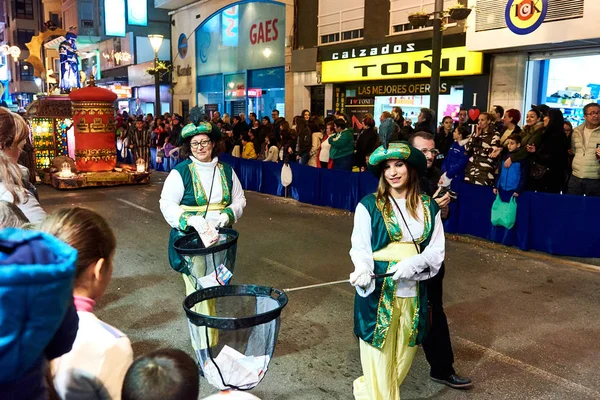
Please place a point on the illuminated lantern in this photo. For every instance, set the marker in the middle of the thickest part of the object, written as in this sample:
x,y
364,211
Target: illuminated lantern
x,y
141,165
94,124
65,171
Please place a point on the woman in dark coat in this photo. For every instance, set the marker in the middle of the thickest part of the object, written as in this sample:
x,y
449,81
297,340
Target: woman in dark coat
x,y
549,162
367,142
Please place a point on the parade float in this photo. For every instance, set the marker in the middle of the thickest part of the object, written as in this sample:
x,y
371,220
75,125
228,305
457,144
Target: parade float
x,y
74,133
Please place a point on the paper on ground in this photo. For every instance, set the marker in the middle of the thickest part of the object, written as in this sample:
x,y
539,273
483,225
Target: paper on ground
x,y
237,369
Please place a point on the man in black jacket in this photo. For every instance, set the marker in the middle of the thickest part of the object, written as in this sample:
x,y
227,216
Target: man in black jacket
x,y
437,345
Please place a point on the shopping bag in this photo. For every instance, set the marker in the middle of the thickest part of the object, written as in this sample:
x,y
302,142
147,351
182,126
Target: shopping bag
x,y
504,214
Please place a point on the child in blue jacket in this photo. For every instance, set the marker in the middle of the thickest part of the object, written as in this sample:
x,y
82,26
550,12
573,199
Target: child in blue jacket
x,y
511,180
457,158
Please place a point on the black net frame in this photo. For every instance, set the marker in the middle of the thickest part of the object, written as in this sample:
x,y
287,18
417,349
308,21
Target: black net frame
x,y
233,323
190,247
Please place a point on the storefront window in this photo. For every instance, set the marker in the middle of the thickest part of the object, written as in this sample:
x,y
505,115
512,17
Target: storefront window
x,y
245,37
210,90
266,91
567,83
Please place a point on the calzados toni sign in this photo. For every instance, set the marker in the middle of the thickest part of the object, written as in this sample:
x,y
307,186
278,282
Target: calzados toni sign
x,y
456,61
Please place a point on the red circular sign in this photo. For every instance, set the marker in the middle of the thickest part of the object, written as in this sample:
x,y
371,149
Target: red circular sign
x,y
525,10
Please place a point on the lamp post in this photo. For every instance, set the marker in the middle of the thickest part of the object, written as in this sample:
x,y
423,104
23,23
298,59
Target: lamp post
x,y
155,42
436,57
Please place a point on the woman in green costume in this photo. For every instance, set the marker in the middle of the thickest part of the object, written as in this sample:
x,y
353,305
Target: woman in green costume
x,y
398,231
200,193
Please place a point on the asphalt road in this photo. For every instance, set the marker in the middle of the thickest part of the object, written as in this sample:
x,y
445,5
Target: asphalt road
x,y
522,327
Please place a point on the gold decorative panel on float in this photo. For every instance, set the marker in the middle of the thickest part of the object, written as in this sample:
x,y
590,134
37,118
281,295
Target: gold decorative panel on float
x,y
94,122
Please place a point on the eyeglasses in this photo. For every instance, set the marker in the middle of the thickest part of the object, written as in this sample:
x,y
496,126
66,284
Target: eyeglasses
x,y
593,113
201,144
434,152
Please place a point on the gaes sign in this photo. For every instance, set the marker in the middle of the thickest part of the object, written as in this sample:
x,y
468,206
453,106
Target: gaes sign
x,y
525,16
456,61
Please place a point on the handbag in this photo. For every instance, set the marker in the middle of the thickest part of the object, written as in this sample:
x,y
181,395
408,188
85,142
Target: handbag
x,y
537,171
504,214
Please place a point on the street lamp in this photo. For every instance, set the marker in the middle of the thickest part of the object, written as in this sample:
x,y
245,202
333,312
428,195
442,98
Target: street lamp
x,y
155,42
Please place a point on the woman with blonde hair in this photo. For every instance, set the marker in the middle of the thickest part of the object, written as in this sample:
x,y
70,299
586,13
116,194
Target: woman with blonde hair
x,y
398,231
13,135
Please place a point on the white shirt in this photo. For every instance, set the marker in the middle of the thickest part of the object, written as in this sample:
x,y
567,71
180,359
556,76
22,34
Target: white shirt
x,y
324,154
96,365
361,252
173,191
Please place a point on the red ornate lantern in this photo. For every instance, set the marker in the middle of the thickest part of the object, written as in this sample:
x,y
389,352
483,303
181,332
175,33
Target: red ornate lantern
x,y
94,123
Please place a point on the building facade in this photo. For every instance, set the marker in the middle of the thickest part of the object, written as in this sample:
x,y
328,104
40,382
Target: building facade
x,y
22,21
113,46
545,52
231,56
358,57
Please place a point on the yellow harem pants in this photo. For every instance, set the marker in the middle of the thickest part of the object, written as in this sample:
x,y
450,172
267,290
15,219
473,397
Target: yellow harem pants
x,y
385,369
207,307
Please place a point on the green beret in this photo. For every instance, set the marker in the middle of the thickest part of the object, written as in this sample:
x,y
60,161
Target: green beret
x,y
206,128
398,151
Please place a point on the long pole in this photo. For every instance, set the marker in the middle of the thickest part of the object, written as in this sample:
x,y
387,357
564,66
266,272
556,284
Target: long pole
x,y
436,57
156,86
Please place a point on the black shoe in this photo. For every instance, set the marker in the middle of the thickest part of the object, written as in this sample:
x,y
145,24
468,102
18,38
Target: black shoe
x,y
454,381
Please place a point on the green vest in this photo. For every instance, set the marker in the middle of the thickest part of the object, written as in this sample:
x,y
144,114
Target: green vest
x,y
373,314
195,195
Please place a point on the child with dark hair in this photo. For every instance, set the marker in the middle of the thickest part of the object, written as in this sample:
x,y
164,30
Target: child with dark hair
x,y
457,158
511,180
166,374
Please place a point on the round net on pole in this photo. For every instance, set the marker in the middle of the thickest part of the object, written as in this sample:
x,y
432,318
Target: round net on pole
x,y
212,265
234,331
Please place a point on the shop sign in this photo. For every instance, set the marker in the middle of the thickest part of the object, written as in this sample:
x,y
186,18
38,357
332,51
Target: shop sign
x,y
184,71
254,92
353,101
123,92
116,52
182,46
525,16
384,49
263,32
420,88
456,61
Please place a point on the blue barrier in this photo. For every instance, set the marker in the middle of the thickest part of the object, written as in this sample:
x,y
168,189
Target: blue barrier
x,y
555,224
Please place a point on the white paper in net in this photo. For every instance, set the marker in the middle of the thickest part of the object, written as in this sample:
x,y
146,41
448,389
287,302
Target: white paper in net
x,y
237,369
220,277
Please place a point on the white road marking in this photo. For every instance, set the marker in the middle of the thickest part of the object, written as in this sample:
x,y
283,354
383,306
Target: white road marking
x,y
302,275
565,383
144,209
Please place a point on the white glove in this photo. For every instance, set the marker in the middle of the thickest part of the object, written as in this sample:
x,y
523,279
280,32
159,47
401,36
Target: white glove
x,y
407,268
206,230
198,223
222,221
363,282
401,271
360,278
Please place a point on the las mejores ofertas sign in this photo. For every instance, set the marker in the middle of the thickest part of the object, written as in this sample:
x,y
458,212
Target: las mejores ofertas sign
x,y
409,88
456,61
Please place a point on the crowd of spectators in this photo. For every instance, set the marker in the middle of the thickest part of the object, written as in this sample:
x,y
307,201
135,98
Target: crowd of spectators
x,y
545,154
